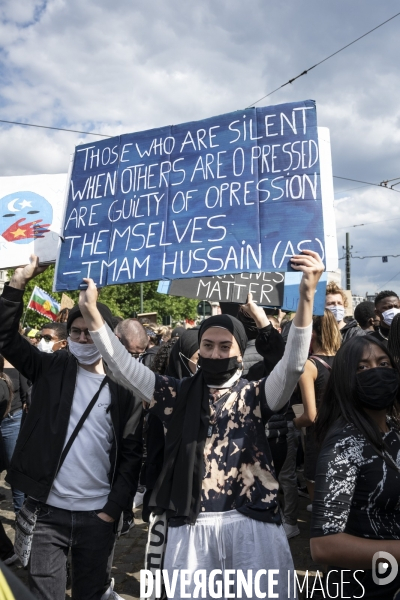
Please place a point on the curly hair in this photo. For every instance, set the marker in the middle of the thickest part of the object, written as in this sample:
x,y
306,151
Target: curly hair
x,y
161,359
385,294
333,288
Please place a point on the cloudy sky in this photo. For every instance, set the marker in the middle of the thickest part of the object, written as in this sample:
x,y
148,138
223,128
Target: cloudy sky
x,y
121,66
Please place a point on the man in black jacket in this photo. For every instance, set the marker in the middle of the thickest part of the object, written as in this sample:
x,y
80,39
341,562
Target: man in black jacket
x,y
78,504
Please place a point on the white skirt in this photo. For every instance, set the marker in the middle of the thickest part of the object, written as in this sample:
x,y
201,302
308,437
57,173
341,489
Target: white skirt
x,y
228,541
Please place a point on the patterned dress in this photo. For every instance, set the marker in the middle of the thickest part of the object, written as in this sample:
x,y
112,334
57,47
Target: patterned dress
x,y
358,493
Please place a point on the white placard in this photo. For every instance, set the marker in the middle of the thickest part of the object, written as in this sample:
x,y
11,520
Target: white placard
x,y
31,215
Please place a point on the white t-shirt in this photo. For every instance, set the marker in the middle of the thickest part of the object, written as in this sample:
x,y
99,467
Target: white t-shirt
x,y
83,482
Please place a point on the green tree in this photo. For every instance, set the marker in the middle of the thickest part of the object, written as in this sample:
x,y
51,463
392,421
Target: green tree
x,y
123,300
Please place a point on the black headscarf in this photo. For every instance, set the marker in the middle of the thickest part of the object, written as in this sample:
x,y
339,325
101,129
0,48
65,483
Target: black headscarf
x,y
183,349
178,331
233,325
178,489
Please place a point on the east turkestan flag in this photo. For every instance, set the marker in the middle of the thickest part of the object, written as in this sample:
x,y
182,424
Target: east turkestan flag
x,y
44,304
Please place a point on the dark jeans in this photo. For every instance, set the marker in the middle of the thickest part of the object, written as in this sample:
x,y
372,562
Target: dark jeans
x,y
91,541
10,427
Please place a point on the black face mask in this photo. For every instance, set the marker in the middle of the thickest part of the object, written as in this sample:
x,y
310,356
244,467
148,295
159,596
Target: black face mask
x,y
377,388
216,371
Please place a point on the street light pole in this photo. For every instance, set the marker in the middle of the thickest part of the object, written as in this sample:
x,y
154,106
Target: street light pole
x,y
348,256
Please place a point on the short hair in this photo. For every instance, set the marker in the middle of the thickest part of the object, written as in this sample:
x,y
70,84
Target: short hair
x,y
128,328
363,312
383,295
60,329
333,288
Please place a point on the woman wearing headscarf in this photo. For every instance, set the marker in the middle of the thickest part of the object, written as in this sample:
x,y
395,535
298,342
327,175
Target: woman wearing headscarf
x,y
184,355
182,363
217,485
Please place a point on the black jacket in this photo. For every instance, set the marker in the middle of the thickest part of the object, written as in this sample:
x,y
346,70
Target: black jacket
x,y
42,437
250,357
350,330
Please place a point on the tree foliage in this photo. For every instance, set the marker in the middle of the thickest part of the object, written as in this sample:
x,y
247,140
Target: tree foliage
x,y
123,300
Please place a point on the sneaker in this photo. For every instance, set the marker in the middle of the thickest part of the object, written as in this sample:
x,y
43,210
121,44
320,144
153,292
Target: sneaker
x,y
127,525
303,492
291,530
110,594
10,560
309,507
138,499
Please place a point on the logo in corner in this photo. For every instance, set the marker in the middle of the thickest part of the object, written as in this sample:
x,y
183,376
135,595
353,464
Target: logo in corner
x,y
384,571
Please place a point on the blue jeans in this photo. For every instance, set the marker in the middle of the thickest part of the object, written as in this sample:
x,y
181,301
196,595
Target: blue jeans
x,y
91,541
10,427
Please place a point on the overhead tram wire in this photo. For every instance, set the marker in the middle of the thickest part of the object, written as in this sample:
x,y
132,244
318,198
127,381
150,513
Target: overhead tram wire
x,y
324,60
256,102
55,128
389,280
369,223
366,183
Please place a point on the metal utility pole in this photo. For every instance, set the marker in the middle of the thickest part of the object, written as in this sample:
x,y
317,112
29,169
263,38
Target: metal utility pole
x,y
141,298
348,248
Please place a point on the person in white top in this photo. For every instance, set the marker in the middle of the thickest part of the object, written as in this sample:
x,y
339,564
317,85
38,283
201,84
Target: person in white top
x,y
78,501
218,487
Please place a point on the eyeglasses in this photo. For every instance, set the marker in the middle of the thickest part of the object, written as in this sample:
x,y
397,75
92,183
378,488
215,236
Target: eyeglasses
x,y
46,338
137,354
75,334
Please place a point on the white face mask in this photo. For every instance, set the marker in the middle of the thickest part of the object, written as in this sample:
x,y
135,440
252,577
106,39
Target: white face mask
x,y
389,315
44,346
337,311
86,354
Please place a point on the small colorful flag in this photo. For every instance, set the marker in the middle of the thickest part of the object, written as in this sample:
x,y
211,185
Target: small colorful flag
x,y
44,304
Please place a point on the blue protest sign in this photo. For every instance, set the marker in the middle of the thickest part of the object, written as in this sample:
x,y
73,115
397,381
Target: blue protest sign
x,y
291,295
236,193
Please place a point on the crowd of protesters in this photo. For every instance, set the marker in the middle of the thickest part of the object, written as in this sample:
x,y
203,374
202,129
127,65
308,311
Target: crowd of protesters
x,y
215,431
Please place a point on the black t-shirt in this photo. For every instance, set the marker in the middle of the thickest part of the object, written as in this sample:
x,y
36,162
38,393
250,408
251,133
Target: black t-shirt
x,y
323,374
357,492
382,337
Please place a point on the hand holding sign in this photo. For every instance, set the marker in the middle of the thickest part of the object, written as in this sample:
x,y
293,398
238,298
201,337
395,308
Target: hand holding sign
x,y
24,274
87,304
255,312
311,265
